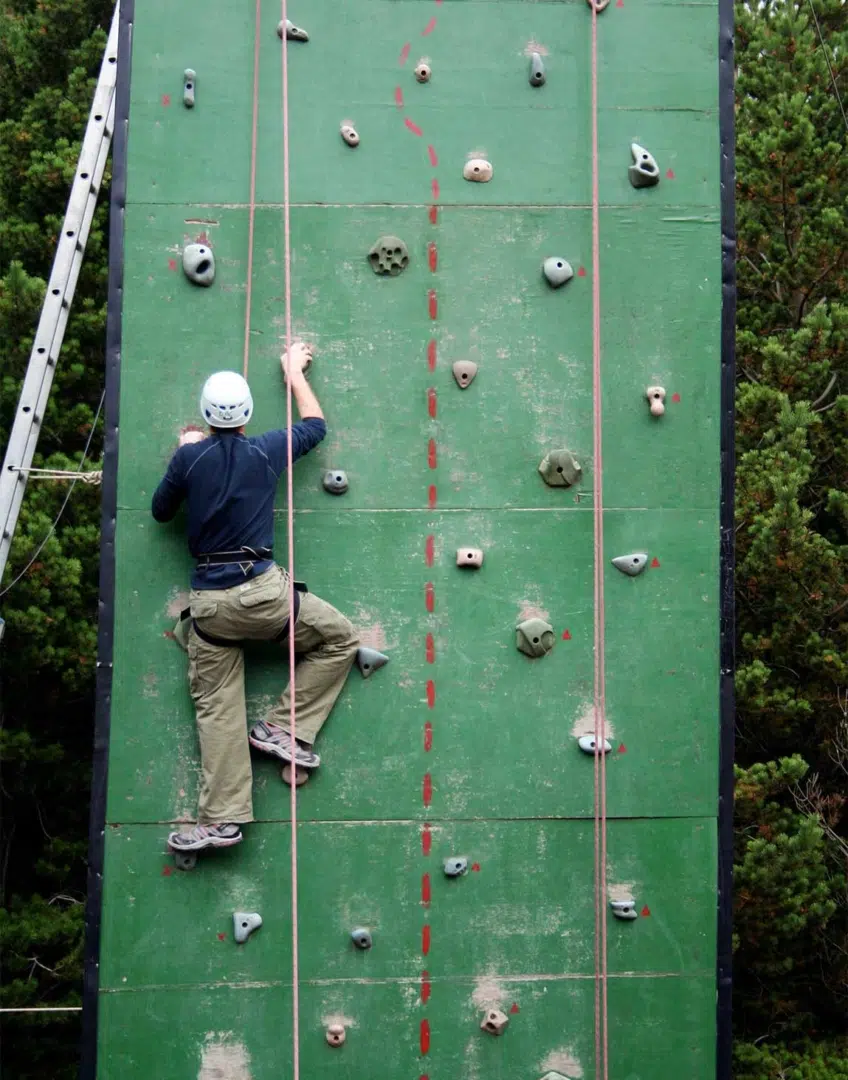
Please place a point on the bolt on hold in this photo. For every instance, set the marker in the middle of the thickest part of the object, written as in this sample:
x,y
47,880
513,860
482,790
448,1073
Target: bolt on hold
x,y
470,557
199,264
557,271
335,1034
292,32
464,372
624,909
632,565
559,469
587,744
389,256
537,70
455,866
494,1022
644,172
335,481
189,82
422,71
656,398
478,169
244,923
349,134
534,637
361,938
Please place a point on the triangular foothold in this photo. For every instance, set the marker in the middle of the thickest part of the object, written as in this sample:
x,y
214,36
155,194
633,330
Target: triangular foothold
x,y
199,264
644,172
369,660
464,372
632,565
557,271
244,923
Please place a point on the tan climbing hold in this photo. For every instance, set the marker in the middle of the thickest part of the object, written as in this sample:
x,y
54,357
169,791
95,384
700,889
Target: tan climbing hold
x,y
464,372
478,170
423,72
471,557
350,134
656,399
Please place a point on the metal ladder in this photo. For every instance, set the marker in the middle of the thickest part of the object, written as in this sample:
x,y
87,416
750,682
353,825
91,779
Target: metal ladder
x,y
59,296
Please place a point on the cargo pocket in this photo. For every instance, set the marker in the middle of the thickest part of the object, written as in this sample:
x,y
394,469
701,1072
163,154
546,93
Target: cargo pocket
x,y
261,592
203,607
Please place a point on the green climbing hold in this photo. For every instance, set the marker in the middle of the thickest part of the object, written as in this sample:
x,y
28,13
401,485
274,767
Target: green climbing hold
x,y
534,637
559,469
389,256
199,264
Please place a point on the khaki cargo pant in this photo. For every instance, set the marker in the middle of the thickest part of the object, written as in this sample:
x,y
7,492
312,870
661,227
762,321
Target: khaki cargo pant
x,y
257,610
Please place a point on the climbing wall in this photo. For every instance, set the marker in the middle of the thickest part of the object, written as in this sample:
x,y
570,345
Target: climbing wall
x,y
464,746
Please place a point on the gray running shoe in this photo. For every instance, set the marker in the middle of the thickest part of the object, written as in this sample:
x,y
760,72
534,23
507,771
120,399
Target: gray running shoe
x,y
273,740
204,836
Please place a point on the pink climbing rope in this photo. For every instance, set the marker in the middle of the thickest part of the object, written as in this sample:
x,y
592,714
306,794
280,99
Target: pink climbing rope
x,y
252,209
290,525
599,703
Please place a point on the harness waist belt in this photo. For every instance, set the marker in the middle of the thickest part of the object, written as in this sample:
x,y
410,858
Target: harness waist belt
x,y
228,558
227,643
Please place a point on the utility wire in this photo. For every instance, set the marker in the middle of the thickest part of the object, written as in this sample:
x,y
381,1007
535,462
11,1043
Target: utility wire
x,y
71,487
829,66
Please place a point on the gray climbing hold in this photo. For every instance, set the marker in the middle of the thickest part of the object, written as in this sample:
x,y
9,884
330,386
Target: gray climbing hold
x,y
350,134
557,271
185,860
559,469
335,1034
369,660
292,32
537,70
534,637
587,744
632,565
189,83
361,938
464,372
471,557
389,256
478,169
244,923
199,264
656,399
624,909
455,866
644,172
335,481
598,5
494,1022
422,72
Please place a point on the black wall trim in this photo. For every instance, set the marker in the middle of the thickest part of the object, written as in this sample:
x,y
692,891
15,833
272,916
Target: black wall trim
x,y
727,622
106,605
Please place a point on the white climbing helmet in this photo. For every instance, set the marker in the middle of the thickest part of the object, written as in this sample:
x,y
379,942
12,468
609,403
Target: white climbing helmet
x,y
226,401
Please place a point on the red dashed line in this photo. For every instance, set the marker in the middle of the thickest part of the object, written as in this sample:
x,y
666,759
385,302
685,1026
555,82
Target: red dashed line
x,y
413,127
431,355
428,737
431,694
425,1032
425,986
431,454
430,649
429,596
426,840
434,160
434,187
431,497
425,939
431,403
429,28
425,889
398,97
434,212
429,551
432,257
404,53
428,792
432,304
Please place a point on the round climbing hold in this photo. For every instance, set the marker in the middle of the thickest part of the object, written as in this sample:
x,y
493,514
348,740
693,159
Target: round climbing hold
x,y
335,481
559,468
478,170
300,775
389,256
557,271
361,938
350,134
422,72
335,1034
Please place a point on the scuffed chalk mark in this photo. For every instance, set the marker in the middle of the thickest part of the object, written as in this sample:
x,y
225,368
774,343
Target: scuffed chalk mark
x,y
338,1018
585,722
371,634
528,610
624,891
177,600
535,46
151,684
563,1061
489,992
224,1058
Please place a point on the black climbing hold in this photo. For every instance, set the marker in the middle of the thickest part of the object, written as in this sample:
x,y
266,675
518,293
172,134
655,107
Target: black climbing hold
x,y
389,256
335,481
199,264
370,660
361,938
537,70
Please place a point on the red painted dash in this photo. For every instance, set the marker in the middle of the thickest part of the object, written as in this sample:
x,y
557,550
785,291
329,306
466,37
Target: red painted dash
x,y
434,211
434,158
431,454
425,938
429,596
431,402
429,28
428,737
413,127
432,303
398,97
425,986
429,552
404,53
431,497
428,789
432,257
434,187
425,889
431,693
430,648
425,1034
431,355
426,840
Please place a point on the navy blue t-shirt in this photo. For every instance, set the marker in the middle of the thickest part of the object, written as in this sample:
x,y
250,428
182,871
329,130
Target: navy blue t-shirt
x,y
229,483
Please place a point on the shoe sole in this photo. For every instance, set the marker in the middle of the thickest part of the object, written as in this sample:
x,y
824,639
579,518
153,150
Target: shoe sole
x,y
199,845
280,752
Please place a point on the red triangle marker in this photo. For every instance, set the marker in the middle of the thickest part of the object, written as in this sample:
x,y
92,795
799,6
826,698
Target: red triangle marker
x,y
619,3
675,398
622,749
581,272
172,264
221,937
670,174
566,635
167,871
514,1008
475,866
655,562
646,910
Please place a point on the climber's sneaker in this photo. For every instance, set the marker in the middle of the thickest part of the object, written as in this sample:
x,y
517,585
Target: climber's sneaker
x,y
204,836
273,740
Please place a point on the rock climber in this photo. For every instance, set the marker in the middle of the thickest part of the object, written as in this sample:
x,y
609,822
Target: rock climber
x,y
228,481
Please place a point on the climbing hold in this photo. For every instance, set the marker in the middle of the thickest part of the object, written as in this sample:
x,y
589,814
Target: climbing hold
x,y
598,5
244,923
559,469
335,481
644,172
478,169
464,372
199,264
534,637
301,775
335,1034
350,134
656,397
185,860
388,256
189,82
422,72
537,70
624,909
361,938
557,271
631,564
494,1022
455,866
472,557
369,660
293,33
587,744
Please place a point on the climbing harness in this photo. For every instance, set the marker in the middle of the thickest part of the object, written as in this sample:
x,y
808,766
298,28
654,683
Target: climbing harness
x,y
245,557
185,621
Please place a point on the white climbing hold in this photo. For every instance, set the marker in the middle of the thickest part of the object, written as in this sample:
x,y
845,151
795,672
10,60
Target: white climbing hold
x,y
656,398
587,744
478,169
631,564
244,923
423,72
644,172
349,134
